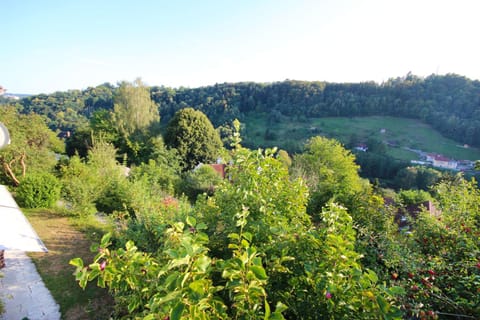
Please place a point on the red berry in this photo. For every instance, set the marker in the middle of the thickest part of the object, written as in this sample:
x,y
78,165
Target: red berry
x,y
410,275
394,276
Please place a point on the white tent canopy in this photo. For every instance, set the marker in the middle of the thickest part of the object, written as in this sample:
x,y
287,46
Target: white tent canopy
x,y
16,233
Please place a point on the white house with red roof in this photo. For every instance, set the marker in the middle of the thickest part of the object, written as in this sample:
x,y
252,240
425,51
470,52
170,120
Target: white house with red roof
x,y
441,161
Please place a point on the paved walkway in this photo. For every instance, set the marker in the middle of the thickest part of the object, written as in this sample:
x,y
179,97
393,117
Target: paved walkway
x,y
23,292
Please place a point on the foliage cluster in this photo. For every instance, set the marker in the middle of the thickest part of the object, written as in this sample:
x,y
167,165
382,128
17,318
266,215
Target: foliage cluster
x,y
278,238
38,190
32,149
248,247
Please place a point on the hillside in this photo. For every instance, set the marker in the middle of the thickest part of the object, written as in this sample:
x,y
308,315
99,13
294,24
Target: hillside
x,y
398,134
450,103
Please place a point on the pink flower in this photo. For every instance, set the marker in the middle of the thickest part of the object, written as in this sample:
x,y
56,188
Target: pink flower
x,y
103,265
328,295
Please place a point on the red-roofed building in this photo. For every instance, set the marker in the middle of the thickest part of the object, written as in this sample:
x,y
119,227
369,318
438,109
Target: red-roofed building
x,y
441,161
220,168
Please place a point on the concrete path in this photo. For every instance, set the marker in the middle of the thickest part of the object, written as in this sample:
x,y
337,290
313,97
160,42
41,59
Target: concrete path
x,y
23,292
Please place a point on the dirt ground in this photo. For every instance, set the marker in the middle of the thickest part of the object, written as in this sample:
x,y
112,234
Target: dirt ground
x,y
65,242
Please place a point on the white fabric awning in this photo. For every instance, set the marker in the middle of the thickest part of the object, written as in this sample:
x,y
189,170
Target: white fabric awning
x,y
16,233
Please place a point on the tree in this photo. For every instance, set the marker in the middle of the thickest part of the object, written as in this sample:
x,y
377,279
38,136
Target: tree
x,y
194,137
32,147
135,119
133,108
79,142
329,170
85,183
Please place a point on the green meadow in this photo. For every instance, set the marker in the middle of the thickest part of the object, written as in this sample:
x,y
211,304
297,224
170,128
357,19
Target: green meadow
x,y
397,133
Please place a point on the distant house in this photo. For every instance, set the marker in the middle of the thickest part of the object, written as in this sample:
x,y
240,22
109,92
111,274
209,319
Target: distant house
x,y
465,165
422,163
444,162
361,147
220,168
441,161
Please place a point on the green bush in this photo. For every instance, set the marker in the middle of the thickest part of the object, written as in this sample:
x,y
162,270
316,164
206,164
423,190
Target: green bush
x,y
116,197
202,180
38,190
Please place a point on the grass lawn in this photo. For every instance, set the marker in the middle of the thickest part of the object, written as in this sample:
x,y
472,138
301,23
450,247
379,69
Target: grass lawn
x,y
65,241
401,132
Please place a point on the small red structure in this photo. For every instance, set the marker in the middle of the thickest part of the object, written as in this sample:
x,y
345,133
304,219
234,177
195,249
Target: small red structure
x,y
220,168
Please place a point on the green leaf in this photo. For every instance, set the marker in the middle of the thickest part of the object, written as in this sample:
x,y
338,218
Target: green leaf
x,y
267,310
130,246
202,263
93,274
77,262
280,307
247,236
168,297
276,316
105,242
234,236
82,278
177,311
198,287
372,276
259,272
191,221
201,226
179,262
397,291
383,304
101,282
133,305
171,281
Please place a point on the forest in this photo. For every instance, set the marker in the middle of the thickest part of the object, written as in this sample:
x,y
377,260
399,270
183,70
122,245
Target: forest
x,y
203,227
447,102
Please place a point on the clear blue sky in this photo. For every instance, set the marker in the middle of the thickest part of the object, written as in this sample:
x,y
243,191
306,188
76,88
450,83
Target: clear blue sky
x,y
49,46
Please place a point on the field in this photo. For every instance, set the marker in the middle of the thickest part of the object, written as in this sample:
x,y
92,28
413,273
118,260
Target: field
x,y
397,133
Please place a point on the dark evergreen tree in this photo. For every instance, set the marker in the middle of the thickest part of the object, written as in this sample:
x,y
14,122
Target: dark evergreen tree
x,y
194,137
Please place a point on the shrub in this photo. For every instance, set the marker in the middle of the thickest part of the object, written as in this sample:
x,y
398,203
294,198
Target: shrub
x,y
202,180
38,190
115,197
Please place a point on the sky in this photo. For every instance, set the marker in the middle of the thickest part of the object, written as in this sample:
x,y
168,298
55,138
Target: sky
x,y
49,46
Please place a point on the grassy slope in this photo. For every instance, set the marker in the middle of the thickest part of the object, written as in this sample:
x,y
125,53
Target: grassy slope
x,y
403,132
65,241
